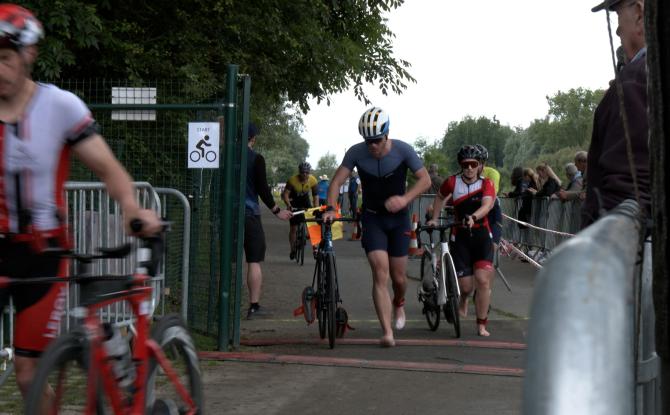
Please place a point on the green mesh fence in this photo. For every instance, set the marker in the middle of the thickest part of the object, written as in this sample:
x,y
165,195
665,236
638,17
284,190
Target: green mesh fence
x,y
152,144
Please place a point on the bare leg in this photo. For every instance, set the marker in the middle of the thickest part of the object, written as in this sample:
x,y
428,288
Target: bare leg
x,y
254,281
379,263
398,271
483,282
465,285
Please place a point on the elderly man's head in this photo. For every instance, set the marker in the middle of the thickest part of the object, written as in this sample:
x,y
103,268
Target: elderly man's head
x,y
580,160
630,14
432,169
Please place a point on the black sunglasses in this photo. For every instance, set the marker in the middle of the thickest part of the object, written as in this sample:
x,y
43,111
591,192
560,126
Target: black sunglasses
x,y
373,141
469,164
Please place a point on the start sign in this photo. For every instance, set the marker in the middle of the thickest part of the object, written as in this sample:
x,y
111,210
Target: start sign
x,y
203,145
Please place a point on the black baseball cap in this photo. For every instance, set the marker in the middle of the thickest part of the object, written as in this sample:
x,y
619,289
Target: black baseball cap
x,y
252,131
607,4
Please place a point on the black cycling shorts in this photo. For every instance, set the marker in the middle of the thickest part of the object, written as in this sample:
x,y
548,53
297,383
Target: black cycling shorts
x,y
254,239
472,250
495,221
388,233
39,307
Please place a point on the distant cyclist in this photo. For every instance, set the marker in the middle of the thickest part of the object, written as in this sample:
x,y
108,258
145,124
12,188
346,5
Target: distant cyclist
x,y
382,164
40,126
473,197
300,193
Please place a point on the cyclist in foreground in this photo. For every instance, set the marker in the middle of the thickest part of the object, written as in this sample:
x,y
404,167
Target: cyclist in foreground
x,y
300,193
473,197
382,165
40,125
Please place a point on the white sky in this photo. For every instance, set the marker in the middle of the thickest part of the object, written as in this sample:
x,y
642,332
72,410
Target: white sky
x,y
475,57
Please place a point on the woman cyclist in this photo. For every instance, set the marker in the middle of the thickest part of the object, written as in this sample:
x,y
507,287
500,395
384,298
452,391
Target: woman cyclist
x,y
472,246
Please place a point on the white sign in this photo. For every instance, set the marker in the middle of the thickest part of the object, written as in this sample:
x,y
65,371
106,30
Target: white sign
x,y
122,95
203,145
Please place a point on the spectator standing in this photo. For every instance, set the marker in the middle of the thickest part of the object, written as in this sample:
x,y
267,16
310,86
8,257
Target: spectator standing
x,y
435,178
254,237
574,178
322,189
519,182
580,164
612,175
551,184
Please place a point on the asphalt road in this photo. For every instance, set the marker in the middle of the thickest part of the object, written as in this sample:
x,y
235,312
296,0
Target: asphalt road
x,y
283,367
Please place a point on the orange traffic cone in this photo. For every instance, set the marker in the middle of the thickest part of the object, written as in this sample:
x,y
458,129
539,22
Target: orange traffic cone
x,y
414,249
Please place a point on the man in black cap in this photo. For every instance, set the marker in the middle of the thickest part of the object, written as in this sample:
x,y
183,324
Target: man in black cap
x,y
610,176
254,237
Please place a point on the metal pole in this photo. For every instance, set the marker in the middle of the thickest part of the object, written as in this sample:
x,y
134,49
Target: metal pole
x,y
227,199
246,94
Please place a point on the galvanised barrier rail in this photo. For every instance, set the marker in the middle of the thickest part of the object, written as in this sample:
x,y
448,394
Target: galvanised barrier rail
x,y
591,332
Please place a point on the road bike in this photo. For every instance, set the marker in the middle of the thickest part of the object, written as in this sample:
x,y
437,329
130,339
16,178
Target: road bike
x,y
325,286
300,239
80,372
439,291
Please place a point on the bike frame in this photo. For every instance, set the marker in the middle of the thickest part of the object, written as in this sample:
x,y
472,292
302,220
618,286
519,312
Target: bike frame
x,y
139,298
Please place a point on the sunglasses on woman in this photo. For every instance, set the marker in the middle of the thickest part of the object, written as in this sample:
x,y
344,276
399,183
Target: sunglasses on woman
x,y
469,164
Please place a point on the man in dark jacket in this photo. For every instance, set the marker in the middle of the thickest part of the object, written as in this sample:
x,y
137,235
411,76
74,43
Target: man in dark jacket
x,y
612,175
254,237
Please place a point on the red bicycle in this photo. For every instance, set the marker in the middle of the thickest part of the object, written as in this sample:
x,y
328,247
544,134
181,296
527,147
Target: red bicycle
x,y
88,370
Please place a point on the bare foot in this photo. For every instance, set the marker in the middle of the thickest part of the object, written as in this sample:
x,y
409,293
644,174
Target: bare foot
x,y
463,307
400,318
387,341
481,329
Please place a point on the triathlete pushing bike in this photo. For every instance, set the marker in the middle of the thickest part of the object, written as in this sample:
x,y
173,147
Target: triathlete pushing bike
x,y
473,197
382,164
40,125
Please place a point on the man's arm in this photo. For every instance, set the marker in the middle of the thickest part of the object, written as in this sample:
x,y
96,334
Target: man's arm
x,y
285,196
97,156
397,203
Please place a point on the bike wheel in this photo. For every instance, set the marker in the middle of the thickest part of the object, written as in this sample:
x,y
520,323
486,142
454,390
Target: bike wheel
x,y
171,335
429,297
331,299
451,306
63,372
321,298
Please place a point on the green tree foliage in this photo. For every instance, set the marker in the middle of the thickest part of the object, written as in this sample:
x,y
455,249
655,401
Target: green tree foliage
x,y
327,165
482,130
293,50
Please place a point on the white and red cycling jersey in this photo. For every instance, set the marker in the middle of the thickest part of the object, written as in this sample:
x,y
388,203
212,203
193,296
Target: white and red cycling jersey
x,y
467,198
34,159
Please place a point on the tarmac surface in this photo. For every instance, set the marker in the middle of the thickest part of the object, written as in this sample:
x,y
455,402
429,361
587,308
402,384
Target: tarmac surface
x,y
283,367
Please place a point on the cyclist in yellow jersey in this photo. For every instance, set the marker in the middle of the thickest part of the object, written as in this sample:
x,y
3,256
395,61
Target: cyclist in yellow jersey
x,y
297,194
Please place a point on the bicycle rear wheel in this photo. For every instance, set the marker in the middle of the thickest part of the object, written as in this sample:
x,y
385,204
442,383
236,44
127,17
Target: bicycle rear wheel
x,y
451,307
331,298
171,335
61,380
429,297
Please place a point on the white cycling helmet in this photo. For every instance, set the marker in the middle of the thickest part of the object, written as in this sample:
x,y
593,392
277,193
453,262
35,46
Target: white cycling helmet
x,y
374,123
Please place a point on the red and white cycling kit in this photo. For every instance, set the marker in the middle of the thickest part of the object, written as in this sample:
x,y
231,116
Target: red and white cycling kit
x,y
34,165
472,248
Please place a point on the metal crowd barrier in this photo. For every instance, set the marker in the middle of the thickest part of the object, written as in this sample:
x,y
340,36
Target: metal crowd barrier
x,y
590,337
95,220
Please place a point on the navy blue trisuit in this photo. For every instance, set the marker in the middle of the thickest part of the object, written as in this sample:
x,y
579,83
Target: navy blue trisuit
x,y
381,179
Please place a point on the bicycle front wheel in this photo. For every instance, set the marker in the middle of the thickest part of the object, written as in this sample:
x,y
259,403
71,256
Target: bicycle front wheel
x,y
331,298
429,292
171,335
451,307
61,380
